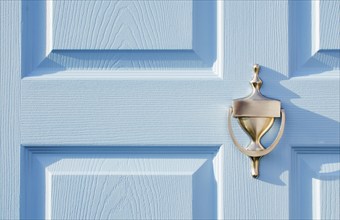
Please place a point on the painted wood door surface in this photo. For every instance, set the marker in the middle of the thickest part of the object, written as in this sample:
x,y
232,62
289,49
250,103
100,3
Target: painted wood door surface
x,y
118,109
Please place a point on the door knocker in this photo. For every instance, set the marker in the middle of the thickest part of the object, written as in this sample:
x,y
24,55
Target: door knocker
x,y
256,114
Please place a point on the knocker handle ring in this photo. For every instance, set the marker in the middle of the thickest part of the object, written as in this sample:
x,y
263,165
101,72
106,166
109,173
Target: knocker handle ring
x,y
261,152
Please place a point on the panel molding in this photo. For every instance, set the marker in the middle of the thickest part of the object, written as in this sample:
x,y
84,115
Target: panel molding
x,y
46,164
298,169
309,52
203,61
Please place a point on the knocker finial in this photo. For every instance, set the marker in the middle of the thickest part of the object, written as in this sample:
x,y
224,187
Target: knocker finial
x,y
256,82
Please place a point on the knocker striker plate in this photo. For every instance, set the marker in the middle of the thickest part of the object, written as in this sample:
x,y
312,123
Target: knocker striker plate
x,y
256,114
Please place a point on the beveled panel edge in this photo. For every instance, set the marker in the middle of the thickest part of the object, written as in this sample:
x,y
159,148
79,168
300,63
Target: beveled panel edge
x,y
294,170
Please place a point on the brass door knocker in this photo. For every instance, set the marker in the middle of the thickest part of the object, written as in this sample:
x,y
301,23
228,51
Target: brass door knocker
x,y
256,114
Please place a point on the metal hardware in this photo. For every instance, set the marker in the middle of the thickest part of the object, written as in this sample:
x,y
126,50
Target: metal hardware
x,y
256,115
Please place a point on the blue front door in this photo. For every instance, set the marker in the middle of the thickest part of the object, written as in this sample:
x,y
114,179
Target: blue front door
x,y
118,109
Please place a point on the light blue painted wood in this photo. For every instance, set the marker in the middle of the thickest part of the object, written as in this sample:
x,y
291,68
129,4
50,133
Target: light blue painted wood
x,y
127,25
314,41
315,183
115,60
81,110
120,182
118,35
10,74
328,33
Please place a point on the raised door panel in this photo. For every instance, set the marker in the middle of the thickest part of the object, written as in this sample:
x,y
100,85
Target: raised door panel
x,y
96,38
314,41
121,182
315,182
122,25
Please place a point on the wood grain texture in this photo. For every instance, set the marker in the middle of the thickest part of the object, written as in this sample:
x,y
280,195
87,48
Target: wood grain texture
x,y
158,36
329,33
141,112
120,182
81,112
123,196
315,182
10,74
114,61
140,25
256,32
92,111
314,44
